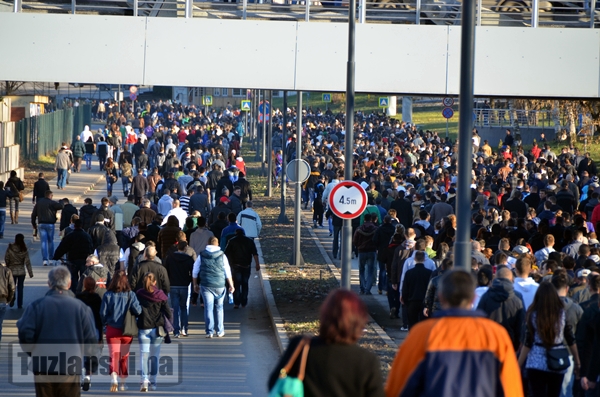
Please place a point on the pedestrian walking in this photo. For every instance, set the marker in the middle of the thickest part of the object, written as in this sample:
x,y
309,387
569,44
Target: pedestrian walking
x,y
77,246
44,213
139,186
250,221
180,266
44,322
90,149
5,194
363,240
78,149
355,372
15,184
240,251
126,176
93,300
151,330
17,260
547,332
40,187
111,175
212,269
61,166
7,292
97,272
117,302
102,152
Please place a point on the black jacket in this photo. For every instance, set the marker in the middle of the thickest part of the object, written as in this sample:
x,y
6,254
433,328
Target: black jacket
x,y
432,298
246,193
77,245
235,203
109,252
505,306
162,278
108,214
179,267
86,214
97,232
239,251
415,283
44,211
65,216
155,306
40,187
382,238
404,211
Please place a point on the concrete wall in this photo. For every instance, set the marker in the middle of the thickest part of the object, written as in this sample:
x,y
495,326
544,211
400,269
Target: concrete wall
x,y
392,58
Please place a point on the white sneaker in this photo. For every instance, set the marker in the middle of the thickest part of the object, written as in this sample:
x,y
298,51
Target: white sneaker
x,y
153,386
144,387
45,263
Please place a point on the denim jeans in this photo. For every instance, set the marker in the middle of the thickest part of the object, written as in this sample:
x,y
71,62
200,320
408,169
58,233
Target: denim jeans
x,y
3,307
46,232
2,221
213,300
366,270
19,284
240,282
126,185
337,232
382,283
180,302
61,182
393,298
568,380
150,343
88,160
109,185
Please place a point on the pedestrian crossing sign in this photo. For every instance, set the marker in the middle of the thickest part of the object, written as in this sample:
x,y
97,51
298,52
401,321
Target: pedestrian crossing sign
x,y
207,100
327,98
384,102
245,106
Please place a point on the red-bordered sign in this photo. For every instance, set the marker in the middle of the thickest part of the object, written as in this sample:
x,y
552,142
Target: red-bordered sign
x,y
348,200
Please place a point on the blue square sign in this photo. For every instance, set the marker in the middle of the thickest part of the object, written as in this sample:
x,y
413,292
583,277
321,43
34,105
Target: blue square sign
x,y
327,98
384,102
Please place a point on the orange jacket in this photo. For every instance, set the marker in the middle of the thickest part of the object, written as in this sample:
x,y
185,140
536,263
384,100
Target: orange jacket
x,y
460,354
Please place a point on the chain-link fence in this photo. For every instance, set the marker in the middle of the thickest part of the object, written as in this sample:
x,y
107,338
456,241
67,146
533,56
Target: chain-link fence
x,y
42,135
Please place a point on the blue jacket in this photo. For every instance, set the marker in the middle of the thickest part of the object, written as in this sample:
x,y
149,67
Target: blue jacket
x,y
227,234
114,306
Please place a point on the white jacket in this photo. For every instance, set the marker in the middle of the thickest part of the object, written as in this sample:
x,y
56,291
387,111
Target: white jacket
x,y
328,190
249,220
527,287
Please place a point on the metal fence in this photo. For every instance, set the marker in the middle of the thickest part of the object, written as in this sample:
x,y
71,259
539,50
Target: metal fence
x,y
43,135
487,117
534,13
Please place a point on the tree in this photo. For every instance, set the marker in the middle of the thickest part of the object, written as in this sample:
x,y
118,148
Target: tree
x,y
10,87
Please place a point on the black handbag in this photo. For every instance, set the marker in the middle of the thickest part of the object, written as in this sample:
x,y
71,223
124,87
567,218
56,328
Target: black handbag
x,y
130,327
558,359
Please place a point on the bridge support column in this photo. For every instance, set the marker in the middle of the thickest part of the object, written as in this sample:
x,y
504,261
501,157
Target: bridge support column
x,y
392,106
407,109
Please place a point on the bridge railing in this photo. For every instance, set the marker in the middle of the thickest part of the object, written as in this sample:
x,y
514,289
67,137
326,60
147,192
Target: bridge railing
x,y
524,13
487,117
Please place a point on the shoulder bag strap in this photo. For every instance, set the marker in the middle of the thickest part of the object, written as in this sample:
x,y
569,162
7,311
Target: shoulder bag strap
x,y
305,349
288,366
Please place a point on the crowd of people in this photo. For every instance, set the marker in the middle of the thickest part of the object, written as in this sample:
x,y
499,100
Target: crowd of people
x,y
188,223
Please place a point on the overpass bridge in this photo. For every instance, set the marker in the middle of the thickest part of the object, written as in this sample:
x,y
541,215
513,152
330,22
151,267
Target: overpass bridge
x,y
401,49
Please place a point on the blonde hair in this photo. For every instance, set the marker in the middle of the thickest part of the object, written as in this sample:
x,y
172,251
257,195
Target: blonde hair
x,y
149,282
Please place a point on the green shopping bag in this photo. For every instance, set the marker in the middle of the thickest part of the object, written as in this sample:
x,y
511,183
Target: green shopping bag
x,y
288,386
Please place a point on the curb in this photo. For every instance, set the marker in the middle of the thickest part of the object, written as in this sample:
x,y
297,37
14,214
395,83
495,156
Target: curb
x,y
338,276
276,320
89,188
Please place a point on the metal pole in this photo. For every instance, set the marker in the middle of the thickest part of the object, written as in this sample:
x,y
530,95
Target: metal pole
x,y
362,7
135,8
592,13
418,15
307,11
73,6
17,6
283,219
535,13
347,226
244,9
188,8
462,246
298,199
270,158
119,98
264,134
258,137
479,12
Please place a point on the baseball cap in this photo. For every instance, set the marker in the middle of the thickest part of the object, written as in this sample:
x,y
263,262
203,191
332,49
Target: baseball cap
x,y
584,272
113,199
521,249
224,200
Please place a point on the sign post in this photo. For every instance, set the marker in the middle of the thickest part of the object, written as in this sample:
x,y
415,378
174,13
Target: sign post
x,y
384,102
447,112
327,100
348,200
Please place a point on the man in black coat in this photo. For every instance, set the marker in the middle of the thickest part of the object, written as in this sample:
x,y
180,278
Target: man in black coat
x,y
246,189
40,187
77,245
98,230
403,210
151,265
516,204
414,289
383,236
66,213
240,251
504,305
107,213
86,213
140,186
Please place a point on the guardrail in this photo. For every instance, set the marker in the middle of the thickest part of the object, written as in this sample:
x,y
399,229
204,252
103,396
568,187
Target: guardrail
x,y
483,117
527,13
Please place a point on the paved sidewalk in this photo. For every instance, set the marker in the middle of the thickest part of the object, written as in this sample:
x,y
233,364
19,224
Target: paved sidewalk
x,y
378,304
236,365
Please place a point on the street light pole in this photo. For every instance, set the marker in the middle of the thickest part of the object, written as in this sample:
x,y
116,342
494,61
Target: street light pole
x,y
347,226
283,219
270,154
298,260
462,245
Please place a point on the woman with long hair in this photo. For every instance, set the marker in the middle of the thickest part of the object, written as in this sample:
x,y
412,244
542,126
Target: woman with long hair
x,y
89,296
15,184
110,170
355,372
547,332
155,306
90,149
17,259
5,194
116,302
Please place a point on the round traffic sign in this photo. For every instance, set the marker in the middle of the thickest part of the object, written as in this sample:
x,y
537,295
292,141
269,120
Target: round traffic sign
x,y
304,167
133,96
133,89
448,102
348,200
448,113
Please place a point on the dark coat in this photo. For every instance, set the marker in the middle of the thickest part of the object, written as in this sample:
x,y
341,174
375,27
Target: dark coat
x,y
65,216
146,266
109,252
382,238
86,214
77,245
140,186
40,187
505,306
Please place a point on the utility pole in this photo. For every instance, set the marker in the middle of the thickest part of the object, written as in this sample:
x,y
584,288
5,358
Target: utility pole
x,y
298,260
270,154
283,219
